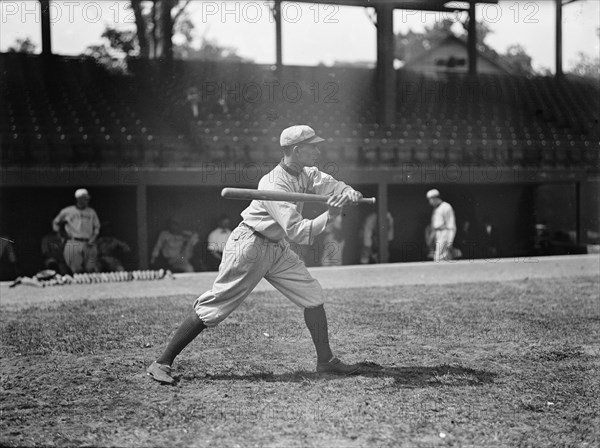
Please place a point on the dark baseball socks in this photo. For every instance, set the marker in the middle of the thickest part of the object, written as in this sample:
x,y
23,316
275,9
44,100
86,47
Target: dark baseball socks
x,y
315,318
316,321
187,331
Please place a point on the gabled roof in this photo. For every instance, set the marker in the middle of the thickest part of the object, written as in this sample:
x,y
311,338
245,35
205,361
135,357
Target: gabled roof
x,y
452,38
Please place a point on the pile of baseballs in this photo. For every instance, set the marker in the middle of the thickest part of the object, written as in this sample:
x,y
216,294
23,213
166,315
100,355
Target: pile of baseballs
x,y
95,277
122,276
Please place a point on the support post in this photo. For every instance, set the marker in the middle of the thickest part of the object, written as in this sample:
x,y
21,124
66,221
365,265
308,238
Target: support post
x,y
142,225
386,74
578,221
382,222
558,43
278,36
472,39
46,30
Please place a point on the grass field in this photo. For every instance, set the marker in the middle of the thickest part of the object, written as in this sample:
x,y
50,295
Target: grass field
x,y
484,365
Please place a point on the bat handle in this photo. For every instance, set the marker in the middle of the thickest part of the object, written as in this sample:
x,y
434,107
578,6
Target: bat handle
x,y
370,201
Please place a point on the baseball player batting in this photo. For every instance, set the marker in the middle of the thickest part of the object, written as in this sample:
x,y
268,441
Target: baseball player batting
x,y
259,248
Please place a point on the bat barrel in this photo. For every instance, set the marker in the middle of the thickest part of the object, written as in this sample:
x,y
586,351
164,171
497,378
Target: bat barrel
x,y
276,195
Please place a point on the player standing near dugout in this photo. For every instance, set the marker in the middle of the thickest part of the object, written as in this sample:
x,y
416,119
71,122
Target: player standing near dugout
x,y
443,225
79,225
259,248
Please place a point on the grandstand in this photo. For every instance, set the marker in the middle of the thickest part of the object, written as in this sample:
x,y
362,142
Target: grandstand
x,y
73,112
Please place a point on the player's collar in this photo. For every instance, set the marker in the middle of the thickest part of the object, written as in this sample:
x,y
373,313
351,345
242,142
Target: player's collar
x,y
289,169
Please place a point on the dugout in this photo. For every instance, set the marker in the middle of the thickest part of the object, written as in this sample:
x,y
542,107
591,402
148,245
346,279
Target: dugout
x,y
138,212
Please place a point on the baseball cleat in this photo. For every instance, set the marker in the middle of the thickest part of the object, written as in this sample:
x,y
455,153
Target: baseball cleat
x,y
337,367
160,373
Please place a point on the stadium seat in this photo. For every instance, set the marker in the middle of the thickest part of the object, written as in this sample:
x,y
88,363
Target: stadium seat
x,y
455,153
15,151
387,153
257,153
351,152
404,152
420,151
438,151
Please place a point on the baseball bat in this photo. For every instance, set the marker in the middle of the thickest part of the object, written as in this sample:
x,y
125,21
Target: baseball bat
x,y
275,195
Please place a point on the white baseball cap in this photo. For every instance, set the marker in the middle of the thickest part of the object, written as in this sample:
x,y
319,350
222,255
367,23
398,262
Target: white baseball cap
x,y
298,134
433,194
81,192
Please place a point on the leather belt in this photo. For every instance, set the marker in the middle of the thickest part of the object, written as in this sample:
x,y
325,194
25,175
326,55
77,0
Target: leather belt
x,y
85,240
258,234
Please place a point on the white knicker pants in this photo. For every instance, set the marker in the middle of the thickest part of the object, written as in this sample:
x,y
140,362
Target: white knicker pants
x,y
248,258
443,242
80,256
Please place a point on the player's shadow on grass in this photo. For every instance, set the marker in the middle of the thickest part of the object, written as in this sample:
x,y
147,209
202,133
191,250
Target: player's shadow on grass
x,y
404,377
435,376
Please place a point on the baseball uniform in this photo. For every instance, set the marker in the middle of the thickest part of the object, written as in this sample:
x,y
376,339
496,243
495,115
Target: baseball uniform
x,y
260,246
444,225
176,248
81,227
333,243
216,245
370,237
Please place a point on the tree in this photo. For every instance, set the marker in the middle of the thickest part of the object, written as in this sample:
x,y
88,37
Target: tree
x,y
411,44
209,50
514,59
518,60
123,42
156,24
586,66
22,46
483,31
152,39
106,57
113,53
141,29
148,40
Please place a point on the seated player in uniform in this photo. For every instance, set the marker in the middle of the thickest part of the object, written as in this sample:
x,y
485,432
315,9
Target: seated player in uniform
x,y
260,248
369,236
53,253
174,248
111,250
